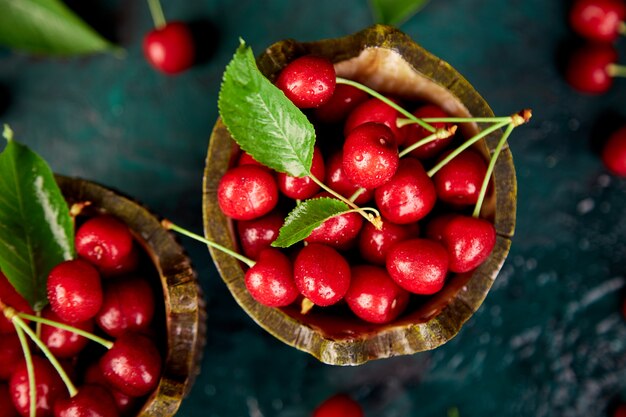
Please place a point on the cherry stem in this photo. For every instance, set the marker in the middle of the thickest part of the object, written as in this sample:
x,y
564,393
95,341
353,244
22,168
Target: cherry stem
x,y
171,226
357,194
621,29
439,134
490,167
40,320
466,145
30,370
156,11
386,101
615,70
404,122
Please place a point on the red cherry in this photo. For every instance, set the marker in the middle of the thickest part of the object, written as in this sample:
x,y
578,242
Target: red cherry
x,y
460,180
270,280
468,240
408,196
373,110
11,355
418,265
373,296
246,159
341,103
49,387
132,365
587,70
339,405
125,404
308,81
337,180
258,234
303,187
63,343
170,48
370,155
247,192
90,401
375,243
339,231
614,153
620,411
6,405
598,20
107,243
74,291
321,274
12,298
128,305
413,133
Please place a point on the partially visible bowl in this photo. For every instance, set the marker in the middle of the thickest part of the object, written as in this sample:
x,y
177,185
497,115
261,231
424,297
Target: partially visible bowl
x,y
390,62
182,312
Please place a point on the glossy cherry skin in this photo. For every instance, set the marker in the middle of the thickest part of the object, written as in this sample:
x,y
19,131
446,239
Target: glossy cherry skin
x,y
132,365
258,234
128,305
246,159
11,355
308,81
597,20
124,403
339,405
418,265
107,243
373,110
12,298
247,192
63,343
337,180
468,240
373,296
408,196
321,274
270,280
171,48
459,181
6,405
49,387
301,188
370,155
90,401
614,153
413,133
375,243
340,231
587,69
75,291
341,103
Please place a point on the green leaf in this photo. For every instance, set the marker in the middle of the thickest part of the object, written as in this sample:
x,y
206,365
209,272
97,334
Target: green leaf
x,y
305,217
47,27
395,12
36,230
264,122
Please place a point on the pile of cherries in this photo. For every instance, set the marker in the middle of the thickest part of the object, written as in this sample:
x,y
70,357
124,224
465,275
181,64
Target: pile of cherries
x,y
105,292
592,68
424,231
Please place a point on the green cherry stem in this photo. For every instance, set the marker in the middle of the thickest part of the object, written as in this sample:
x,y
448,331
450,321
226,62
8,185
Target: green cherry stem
x,y
439,134
156,11
40,320
30,370
404,122
615,70
490,167
385,100
171,226
621,29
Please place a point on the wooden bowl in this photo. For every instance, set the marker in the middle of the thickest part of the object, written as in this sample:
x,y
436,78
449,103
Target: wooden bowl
x,y
183,311
390,62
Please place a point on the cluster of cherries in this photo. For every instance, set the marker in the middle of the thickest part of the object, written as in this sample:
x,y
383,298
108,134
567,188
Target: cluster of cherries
x,y
592,67
373,266
103,294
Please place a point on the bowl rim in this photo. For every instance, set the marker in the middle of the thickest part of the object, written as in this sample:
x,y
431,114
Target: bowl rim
x,y
392,341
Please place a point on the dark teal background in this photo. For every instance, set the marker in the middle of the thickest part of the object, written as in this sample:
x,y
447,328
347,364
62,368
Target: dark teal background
x,y
548,341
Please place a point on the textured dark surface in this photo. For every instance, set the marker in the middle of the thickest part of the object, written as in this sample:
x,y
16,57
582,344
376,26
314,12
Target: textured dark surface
x,y
549,339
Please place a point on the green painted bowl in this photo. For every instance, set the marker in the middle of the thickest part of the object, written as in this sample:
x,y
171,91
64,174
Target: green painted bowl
x,y
182,337
390,62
